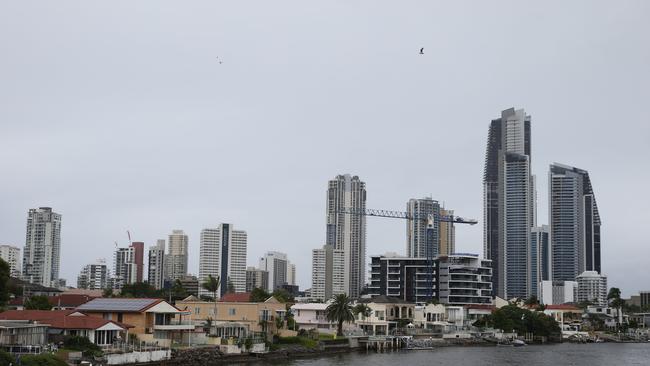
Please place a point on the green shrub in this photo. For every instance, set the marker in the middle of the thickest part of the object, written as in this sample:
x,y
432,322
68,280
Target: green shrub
x,y
42,360
305,342
6,358
82,344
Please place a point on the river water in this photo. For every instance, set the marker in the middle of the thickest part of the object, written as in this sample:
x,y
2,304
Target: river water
x,y
605,354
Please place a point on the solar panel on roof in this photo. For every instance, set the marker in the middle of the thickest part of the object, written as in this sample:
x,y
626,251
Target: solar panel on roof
x,y
116,304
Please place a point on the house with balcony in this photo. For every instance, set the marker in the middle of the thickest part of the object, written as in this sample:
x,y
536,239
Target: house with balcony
x,y
154,321
22,336
387,315
235,317
63,323
313,316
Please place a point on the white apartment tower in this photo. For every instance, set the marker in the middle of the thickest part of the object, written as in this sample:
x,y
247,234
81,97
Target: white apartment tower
x,y
41,257
176,258
93,276
347,232
279,268
11,255
592,287
223,255
327,276
125,270
156,275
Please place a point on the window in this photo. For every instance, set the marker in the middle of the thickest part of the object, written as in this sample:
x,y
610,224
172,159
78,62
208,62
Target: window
x,y
197,311
231,311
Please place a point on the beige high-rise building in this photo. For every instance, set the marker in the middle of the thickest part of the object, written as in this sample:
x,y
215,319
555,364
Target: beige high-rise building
x,y
176,258
327,273
11,255
447,234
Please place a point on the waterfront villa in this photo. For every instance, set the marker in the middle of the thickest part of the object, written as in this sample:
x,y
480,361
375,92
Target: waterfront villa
x,y
62,323
387,314
235,317
154,321
313,316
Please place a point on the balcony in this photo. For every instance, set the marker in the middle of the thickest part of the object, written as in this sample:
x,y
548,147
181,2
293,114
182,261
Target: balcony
x,y
184,324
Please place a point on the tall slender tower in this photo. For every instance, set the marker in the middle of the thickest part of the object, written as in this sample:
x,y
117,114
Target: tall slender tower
x,y
419,242
176,259
138,259
348,232
447,234
156,275
277,266
223,254
575,223
509,203
41,257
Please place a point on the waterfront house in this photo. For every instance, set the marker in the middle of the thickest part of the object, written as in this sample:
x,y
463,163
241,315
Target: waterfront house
x,y
387,315
22,336
62,323
313,316
154,321
235,316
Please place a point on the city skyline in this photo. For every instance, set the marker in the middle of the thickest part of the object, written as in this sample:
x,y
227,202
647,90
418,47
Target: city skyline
x,y
118,131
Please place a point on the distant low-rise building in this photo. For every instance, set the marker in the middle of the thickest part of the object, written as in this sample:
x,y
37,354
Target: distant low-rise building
x,y
592,287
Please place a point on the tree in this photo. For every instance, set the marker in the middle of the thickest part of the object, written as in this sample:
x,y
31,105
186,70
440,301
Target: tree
x,y
212,284
513,318
362,309
532,300
4,285
259,295
108,292
615,301
177,290
282,295
340,311
139,290
38,303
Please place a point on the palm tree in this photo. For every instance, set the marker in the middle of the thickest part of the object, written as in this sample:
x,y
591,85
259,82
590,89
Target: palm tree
x,y
614,297
212,284
362,309
339,311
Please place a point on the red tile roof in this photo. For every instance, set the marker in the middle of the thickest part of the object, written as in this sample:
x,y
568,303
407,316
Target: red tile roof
x,y
236,297
60,319
63,300
562,307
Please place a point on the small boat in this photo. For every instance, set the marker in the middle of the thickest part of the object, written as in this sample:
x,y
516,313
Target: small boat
x,y
518,343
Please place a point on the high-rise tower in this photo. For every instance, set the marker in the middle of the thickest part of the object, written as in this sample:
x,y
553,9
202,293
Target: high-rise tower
x,y
575,223
348,232
509,203
419,241
41,257
176,259
156,268
223,255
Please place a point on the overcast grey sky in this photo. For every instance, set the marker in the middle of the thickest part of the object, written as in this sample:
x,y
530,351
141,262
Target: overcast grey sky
x,y
119,116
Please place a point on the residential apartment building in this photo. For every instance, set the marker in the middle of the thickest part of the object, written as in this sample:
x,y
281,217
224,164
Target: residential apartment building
x,y
447,234
277,266
422,233
347,232
124,267
459,279
11,255
176,259
575,223
41,257
93,276
138,259
327,276
592,287
557,292
156,268
256,278
223,255
509,203
540,259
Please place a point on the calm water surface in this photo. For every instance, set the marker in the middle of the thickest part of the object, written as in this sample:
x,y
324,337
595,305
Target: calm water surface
x,y
561,354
